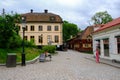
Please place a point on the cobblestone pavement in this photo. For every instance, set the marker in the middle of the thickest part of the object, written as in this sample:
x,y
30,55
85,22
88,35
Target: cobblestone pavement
x,y
69,65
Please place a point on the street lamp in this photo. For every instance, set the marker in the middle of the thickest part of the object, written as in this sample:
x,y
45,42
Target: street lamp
x,y
23,50
41,39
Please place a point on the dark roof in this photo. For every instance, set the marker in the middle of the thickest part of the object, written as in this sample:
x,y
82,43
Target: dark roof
x,y
87,32
109,24
42,17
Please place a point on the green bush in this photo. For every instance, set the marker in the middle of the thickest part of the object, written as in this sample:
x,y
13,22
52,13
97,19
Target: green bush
x,y
49,48
30,44
15,41
3,55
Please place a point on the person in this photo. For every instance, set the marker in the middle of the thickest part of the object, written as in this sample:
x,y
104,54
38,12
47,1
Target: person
x,y
97,55
48,55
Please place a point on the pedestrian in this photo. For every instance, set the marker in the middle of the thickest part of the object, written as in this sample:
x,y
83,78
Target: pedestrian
x,y
97,55
48,55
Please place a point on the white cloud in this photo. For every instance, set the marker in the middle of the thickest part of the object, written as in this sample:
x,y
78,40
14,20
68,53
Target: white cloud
x,y
69,3
75,11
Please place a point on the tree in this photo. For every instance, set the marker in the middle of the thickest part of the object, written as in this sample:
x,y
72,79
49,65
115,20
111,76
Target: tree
x,y
9,37
101,18
69,29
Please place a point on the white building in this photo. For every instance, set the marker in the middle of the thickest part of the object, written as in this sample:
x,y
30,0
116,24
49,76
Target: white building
x,y
107,39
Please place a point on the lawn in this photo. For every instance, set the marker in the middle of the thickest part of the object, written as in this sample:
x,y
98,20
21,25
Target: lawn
x,y
31,53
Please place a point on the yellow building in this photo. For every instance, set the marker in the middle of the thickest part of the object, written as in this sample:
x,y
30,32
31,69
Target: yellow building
x,y
44,28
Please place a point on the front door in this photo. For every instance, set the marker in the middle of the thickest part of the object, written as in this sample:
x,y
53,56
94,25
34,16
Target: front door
x,y
106,47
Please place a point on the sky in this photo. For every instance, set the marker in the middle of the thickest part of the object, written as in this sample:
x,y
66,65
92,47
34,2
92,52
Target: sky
x,y
78,12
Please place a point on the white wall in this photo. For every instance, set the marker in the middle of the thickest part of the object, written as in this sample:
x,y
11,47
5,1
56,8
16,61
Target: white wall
x,y
112,43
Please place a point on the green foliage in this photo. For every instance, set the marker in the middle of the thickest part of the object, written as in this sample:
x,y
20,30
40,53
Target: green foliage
x,y
30,44
3,55
69,29
15,41
30,52
49,48
9,37
101,18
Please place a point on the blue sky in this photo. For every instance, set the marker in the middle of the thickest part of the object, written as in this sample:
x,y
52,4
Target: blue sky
x,y
74,11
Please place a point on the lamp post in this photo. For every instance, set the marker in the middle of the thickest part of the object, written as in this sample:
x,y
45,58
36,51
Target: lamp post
x,y
41,39
23,50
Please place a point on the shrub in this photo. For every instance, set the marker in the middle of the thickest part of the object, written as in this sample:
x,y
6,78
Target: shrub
x,y
30,44
49,48
15,41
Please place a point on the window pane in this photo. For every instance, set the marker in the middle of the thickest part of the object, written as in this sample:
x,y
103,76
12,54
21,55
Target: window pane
x,y
40,39
19,28
32,38
40,28
49,39
48,28
25,38
26,28
56,39
32,28
56,28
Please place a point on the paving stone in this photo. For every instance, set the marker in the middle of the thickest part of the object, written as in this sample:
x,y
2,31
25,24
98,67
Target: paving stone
x,y
67,65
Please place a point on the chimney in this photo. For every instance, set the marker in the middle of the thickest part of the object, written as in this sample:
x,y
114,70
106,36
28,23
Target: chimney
x,y
46,11
31,10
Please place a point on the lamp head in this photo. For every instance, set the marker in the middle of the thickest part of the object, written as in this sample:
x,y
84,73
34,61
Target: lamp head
x,y
23,19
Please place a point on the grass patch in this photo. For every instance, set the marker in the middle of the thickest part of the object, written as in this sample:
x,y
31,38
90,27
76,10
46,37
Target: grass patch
x,y
30,52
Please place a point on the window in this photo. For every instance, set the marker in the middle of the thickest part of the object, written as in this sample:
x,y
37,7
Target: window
x,y
48,28
32,28
49,38
56,39
32,38
26,28
118,44
85,45
40,28
56,28
40,39
52,18
19,28
25,38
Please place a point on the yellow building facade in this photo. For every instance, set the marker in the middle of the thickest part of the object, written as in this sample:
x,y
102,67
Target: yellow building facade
x,y
43,28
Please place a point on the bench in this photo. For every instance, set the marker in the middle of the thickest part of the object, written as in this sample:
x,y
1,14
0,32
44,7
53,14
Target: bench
x,y
42,57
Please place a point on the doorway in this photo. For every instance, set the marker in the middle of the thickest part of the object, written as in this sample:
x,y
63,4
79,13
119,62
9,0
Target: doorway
x,y
106,47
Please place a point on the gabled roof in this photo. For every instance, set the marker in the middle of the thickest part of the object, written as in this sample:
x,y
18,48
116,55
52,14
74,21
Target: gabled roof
x,y
87,32
83,35
42,17
109,24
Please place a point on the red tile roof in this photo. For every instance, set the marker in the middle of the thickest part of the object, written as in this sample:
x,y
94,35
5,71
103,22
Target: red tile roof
x,y
109,24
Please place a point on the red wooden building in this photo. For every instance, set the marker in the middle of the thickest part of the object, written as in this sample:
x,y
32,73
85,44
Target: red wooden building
x,y
83,41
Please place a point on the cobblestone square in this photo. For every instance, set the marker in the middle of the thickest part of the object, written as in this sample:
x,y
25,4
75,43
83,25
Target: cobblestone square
x,y
66,65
